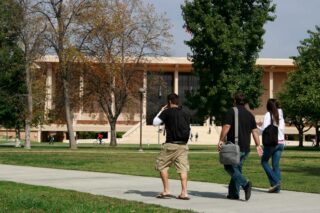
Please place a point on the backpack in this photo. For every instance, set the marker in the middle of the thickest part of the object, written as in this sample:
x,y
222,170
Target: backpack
x,y
270,135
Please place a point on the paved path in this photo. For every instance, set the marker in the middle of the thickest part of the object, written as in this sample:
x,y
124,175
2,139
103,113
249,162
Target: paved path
x,y
205,197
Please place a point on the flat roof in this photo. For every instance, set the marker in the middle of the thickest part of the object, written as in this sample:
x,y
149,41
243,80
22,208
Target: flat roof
x,y
184,60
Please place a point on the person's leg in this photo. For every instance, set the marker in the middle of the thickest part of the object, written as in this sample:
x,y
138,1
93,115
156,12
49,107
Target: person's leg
x,y
182,166
237,179
276,163
165,182
232,190
267,153
163,163
184,179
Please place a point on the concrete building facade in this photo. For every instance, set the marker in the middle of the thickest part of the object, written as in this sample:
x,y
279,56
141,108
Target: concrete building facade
x,y
160,76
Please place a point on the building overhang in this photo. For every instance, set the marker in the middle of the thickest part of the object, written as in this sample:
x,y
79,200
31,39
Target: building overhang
x,y
183,64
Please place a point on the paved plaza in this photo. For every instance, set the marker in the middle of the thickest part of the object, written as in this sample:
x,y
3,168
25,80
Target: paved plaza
x,y
205,197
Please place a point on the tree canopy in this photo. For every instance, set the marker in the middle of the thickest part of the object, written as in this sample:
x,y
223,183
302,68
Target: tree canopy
x,y
226,39
123,34
12,85
300,96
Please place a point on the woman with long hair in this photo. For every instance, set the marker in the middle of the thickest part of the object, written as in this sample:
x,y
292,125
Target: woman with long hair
x,y
274,114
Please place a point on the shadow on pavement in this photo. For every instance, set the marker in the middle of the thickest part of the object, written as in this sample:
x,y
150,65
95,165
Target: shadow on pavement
x,y
143,193
207,194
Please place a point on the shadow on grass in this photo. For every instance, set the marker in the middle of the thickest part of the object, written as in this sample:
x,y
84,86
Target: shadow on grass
x,y
306,148
307,170
301,158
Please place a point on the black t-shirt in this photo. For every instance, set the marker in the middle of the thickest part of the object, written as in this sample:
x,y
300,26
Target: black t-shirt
x,y
177,123
246,124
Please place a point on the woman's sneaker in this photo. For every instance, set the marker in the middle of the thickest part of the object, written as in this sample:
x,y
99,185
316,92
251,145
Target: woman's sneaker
x,y
275,188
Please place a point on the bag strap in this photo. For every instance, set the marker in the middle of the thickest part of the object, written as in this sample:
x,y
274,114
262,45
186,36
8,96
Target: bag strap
x,y
236,125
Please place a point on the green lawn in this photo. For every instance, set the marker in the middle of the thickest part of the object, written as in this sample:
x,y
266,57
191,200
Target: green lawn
x,y
300,167
16,197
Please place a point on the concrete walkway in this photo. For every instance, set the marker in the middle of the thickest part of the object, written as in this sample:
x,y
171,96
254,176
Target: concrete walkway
x,y
205,197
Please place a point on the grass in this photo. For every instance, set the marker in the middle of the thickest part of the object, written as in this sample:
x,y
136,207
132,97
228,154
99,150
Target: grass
x,y
16,197
300,168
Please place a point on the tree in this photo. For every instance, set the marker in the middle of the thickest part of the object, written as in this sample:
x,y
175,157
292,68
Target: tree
x,y
226,39
123,34
64,21
32,42
293,104
12,85
300,97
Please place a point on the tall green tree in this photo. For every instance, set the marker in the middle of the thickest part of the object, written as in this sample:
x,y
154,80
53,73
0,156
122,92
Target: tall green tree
x,y
12,85
226,39
300,96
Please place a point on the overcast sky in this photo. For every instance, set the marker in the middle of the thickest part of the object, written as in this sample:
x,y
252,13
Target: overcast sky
x,y
294,18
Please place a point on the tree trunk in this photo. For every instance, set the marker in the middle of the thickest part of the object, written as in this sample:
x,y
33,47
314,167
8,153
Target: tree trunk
x,y
317,134
300,137
18,143
69,117
27,144
28,120
113,136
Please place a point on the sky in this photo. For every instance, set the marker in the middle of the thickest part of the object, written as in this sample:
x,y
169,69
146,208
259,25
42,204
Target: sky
x,y
293,19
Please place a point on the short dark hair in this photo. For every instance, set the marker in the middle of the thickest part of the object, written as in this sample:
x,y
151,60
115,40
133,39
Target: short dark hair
x,y
239,98
173,98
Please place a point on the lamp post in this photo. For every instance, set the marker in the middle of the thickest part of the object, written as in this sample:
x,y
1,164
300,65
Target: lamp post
x,y
141,91
159,96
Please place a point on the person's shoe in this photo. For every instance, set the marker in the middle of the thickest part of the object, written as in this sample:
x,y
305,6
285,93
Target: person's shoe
x,y
275,188
235,197
163,196
247,190
183,197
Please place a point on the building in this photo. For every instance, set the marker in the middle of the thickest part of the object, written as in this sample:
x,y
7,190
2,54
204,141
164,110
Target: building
x,y
160,76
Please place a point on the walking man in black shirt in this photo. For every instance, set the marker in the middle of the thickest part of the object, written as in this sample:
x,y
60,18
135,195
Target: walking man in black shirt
x,y
247,126
175,149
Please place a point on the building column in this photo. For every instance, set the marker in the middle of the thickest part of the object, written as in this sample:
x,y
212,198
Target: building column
x,y
144,111
81,86
39,133
49,90
113,105
271,84
176,80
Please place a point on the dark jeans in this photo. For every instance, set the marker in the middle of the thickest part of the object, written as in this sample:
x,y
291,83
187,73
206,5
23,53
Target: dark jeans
x,y
237,179
273,173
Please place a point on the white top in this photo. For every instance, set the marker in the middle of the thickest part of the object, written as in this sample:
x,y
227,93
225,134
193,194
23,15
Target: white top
x,y
267,122
157,121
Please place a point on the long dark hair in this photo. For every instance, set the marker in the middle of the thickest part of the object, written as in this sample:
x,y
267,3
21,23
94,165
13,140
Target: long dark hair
x,y
273,109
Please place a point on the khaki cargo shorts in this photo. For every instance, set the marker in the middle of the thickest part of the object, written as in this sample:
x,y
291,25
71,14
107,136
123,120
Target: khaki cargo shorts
x,y
176,154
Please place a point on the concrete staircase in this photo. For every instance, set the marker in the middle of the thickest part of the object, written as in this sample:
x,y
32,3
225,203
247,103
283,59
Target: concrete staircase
x,y
154,135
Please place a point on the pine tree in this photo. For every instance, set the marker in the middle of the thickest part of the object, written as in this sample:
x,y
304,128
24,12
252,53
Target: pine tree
x,y
226,39
12,86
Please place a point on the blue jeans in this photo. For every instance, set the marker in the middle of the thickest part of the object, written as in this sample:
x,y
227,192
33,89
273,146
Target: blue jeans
x,y
273,173
237,179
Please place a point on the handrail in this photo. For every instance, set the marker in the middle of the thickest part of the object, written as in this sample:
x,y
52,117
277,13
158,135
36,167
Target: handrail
x,y
133,129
